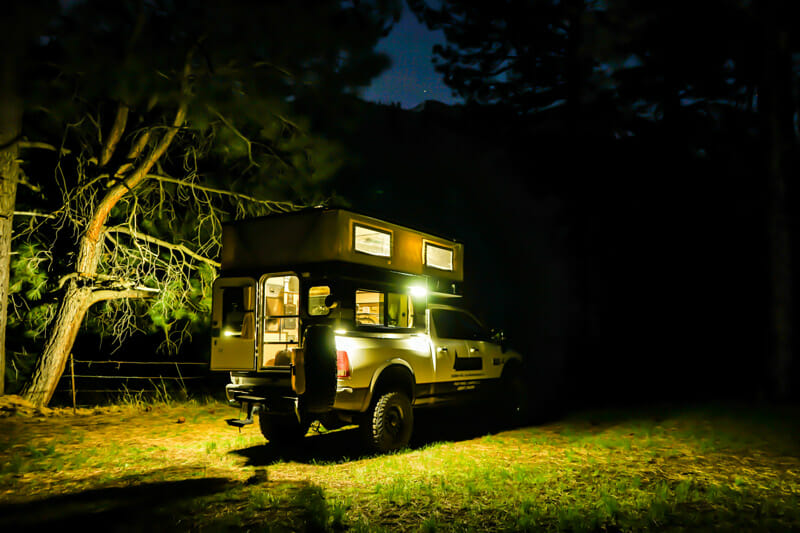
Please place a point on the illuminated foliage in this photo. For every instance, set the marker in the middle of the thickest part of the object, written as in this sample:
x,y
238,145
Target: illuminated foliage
x,y
162,120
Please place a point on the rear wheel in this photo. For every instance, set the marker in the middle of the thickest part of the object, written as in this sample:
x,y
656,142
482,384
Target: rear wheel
x,y
283,430
389,422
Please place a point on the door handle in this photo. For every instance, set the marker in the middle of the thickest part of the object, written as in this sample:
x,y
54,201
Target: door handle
x,y
441,349
474,350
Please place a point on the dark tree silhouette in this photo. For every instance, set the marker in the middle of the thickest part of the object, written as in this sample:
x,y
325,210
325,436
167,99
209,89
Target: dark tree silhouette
x,y
166,108
700,102
529,55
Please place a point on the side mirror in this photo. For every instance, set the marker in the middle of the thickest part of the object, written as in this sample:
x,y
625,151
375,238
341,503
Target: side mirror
x,y
499,337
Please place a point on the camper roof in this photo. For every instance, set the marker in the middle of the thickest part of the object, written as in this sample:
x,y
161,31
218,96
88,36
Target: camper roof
x,y
336,235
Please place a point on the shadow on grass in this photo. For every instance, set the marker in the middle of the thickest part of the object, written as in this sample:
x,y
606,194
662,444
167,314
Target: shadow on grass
x,y
149,505
335,447
448,424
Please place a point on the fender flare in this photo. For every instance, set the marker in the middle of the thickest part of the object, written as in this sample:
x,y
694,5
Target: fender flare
x,y
512,364
394,370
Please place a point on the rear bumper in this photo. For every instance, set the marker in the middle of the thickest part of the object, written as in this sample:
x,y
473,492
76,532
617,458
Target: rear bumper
x,y
268,400
283,400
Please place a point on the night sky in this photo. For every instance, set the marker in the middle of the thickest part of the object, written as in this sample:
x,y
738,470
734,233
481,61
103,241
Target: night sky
x,y
411,79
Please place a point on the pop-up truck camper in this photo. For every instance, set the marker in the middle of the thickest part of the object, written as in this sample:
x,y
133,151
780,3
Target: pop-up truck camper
x,y
331,315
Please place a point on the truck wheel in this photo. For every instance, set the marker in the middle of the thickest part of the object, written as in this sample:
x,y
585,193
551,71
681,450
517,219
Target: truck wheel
x,y
283,430
389,422
516,402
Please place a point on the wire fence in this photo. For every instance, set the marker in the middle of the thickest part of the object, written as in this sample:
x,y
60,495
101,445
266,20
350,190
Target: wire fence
x,y
92,377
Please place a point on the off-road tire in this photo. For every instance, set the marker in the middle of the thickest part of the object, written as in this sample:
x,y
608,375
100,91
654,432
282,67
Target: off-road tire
x,y
388,423
515,402
283,430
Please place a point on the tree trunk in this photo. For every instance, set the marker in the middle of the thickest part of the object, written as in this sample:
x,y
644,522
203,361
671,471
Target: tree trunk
x,y
776,107
74,304
575,68
81,294
10,126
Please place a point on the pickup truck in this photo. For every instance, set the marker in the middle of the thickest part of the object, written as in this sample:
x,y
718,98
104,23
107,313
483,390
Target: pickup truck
x,y
334,316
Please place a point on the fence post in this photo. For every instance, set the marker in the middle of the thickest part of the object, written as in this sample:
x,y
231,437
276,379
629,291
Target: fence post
x,y
72,371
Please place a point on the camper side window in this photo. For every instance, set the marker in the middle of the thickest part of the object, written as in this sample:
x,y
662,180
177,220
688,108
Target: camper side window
x,y
316,300
375,308
369,308
372,241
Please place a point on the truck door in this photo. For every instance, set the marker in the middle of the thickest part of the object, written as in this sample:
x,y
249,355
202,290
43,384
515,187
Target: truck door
x,y
457,354
233,324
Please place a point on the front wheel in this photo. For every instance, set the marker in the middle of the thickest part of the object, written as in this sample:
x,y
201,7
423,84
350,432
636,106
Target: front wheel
x,y
389,422
516,401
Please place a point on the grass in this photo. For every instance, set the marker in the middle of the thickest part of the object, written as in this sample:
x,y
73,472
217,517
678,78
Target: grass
x,y
713,467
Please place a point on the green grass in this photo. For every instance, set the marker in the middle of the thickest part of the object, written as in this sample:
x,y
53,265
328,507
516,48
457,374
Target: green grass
x,y
712,467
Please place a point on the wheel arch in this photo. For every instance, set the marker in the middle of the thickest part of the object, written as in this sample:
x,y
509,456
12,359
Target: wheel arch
x,y
514,364
396,374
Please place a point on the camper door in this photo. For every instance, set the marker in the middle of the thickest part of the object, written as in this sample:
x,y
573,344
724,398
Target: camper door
x,y
233,324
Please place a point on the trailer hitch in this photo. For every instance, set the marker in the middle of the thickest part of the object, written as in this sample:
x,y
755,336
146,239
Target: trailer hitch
x,y
251,404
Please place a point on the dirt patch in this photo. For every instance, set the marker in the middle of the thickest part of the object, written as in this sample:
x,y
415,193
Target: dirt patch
x,y
13,405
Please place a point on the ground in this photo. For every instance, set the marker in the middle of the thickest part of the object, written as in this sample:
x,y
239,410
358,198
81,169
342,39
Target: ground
x,y
179,467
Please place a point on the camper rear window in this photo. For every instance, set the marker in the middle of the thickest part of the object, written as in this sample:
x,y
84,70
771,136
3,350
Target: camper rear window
x,y
372,241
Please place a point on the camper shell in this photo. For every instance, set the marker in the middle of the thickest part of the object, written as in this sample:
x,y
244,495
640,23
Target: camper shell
x,y
321,238
327,314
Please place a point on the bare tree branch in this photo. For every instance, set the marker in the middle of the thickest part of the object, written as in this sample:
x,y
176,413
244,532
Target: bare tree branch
x,y
34,214
88,256
239,134
42,146
98,277
283,207
117,129
112,294
164,244
136,150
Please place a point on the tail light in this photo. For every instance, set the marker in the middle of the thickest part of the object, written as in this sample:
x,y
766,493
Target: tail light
x,y
342,364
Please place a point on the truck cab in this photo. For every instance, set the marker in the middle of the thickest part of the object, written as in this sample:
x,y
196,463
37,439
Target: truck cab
x,y
335,316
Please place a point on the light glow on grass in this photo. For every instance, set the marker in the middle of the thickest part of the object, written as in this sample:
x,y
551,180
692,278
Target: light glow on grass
x,y
685,470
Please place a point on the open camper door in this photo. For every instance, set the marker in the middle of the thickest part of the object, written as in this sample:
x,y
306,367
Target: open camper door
x,y
233,324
